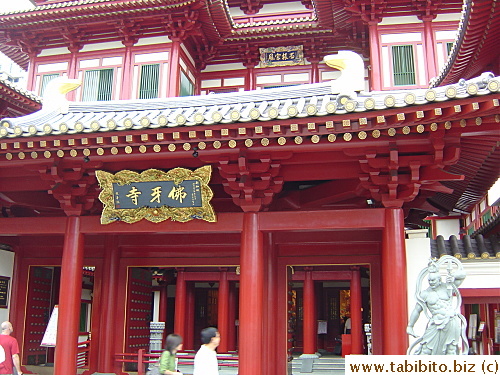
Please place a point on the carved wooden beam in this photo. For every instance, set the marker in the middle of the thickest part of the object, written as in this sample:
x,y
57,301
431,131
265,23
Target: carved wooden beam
x,y
252,183
73,184
130,32
181,26
74,38
394,178
251,7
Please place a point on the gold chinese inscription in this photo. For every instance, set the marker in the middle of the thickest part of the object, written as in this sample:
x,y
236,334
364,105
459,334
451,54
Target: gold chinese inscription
x,y
179,194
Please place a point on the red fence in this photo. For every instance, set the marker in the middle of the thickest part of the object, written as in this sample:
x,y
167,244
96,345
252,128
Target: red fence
x,y
142,359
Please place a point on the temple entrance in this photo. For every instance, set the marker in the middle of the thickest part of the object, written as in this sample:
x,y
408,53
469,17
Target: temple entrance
x,y
186,299
325,304
43,295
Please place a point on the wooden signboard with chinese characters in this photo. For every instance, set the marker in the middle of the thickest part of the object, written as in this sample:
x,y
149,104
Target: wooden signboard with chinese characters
x,y
4,291
179,194
281,56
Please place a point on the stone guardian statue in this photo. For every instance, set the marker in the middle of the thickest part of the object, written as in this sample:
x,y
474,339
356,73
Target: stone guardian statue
x,y
441,301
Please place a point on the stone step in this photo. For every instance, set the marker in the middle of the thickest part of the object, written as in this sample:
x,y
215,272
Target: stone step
x,y
321,366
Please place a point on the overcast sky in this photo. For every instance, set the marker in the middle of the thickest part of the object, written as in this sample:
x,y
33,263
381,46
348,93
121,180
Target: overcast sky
x,y
11,5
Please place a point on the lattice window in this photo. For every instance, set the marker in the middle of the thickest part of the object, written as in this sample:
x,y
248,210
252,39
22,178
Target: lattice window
x,y
403,65
150,79
187,87
46,78
97,85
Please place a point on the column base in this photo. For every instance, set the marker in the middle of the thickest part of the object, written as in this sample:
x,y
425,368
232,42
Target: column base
x,y
307,361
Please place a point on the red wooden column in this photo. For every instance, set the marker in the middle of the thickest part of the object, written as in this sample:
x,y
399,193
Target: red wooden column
x,y
430,51
314,69
110,281
231,336
163,304
180,303
191,340
375,63
126,90
223,311
251,297
271,333
72,68
356,316
174,76
309,313
394,290
250,81
70,299
16,313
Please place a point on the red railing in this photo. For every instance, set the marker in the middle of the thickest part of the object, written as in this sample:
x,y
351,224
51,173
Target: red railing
x,y
141,358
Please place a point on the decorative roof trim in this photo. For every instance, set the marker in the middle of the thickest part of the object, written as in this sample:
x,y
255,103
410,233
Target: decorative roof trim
x,y
17,20
69,4
476,44
27,94
467,248
304,101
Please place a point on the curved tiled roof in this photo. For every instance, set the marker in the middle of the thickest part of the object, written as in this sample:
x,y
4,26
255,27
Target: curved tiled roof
x,y
466,248
16,101
478,43
27,94
262,105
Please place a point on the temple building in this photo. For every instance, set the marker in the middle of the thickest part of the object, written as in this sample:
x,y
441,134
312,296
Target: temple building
x,y
256,165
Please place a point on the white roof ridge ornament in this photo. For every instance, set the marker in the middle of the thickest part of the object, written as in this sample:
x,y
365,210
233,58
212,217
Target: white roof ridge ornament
x,y
352,79
54,96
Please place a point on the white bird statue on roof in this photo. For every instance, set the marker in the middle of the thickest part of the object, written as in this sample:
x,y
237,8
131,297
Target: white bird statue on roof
x,y
54,96
352,67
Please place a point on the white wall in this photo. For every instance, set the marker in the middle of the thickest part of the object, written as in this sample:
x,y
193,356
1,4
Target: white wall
x,y
480,274
418,253
448,227
6,269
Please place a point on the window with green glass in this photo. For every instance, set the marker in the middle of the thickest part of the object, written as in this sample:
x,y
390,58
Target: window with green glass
x,y
449,46
150,79
486,216
97,85
187,87
83,317
46,78
403,65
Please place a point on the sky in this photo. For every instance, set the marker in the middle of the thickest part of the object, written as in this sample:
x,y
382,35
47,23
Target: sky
x,y
12,5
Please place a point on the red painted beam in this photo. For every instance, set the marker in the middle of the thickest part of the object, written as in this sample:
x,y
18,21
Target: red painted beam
x,y
226,223
323,275
320,220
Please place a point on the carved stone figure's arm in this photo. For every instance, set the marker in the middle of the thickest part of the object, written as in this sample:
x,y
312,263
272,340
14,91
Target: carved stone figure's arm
x,y
459,277
413,319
